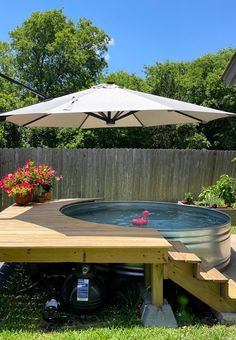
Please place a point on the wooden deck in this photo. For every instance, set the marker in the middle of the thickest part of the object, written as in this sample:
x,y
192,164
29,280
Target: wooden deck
x,y
41,233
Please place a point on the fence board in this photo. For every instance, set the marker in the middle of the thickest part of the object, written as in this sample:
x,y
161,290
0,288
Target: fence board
x,y
125,174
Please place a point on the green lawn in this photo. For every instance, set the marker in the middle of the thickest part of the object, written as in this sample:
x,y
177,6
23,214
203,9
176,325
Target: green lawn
x,y
191,333
233,230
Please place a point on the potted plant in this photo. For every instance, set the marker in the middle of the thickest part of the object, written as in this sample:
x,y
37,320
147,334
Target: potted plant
x,y
188,198
47,178
20,184
22,193
23,182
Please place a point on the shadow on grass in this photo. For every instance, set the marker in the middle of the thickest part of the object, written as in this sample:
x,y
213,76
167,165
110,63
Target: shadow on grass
x,y
22,311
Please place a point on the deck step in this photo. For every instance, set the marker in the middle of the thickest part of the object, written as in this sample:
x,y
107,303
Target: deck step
x,y
204,271
179,252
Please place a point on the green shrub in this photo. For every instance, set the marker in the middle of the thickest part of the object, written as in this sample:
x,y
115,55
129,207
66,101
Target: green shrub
x,y
223,192
226,187
188,196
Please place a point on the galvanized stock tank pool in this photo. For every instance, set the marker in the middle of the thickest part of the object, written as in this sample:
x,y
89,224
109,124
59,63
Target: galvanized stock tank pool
x,y
205,232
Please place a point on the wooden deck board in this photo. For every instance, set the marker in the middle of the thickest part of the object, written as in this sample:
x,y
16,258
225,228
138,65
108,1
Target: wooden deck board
x,y
40,232
207,273
179,252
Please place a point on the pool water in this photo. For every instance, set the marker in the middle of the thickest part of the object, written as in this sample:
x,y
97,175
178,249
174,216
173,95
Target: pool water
x,y
163,215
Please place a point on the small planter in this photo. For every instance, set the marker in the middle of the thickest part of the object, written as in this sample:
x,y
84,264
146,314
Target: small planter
x,y
22,200
47,195
187,202
41,199
36,194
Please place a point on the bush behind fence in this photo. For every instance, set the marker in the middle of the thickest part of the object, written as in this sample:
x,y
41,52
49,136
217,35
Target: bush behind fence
x,y
125,174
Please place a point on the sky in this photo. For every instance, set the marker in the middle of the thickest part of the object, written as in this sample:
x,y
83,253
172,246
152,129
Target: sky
x,y
143,32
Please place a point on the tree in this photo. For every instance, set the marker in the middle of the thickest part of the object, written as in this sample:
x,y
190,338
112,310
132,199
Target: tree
x,y
129,81
57,56
54,55
197,82
206,88
165,79
118,138
11,97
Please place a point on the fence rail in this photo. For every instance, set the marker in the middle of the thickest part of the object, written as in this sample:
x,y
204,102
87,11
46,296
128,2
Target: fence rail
x,y
125,174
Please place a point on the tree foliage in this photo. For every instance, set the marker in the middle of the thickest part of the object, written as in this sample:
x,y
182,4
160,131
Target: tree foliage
x,y
197,82
57,56
129,81
54,55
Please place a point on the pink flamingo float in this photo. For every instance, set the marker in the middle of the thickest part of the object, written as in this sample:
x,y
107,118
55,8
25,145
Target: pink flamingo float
x,y
143,220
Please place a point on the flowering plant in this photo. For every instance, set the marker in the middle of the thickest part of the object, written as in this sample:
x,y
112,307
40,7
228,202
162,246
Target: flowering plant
x,y
26,174
23,180
46,177
22,189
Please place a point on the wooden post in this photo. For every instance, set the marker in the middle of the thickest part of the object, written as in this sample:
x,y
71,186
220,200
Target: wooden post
x,y
157,284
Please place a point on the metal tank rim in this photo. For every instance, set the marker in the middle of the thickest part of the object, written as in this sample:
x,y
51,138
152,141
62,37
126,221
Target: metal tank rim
x,y
185,206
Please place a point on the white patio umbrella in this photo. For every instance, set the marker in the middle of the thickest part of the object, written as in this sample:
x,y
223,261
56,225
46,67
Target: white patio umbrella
x,y
108,105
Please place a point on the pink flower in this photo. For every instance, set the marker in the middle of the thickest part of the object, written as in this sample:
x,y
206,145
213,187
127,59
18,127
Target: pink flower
x,y
25,178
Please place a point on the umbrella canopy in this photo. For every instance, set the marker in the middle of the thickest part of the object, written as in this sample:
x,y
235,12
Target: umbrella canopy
x,y
108,105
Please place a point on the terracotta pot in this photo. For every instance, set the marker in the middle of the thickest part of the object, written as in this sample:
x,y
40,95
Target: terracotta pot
x,y
187,202
22,200
35,194
47,195
41,199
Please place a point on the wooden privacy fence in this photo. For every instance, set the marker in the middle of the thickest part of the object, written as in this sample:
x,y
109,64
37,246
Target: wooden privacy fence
x,y
125,174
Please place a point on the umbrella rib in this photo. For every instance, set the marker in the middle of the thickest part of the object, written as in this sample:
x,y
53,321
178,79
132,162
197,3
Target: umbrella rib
x,y
117,114
189,116
138,119
102,114
97,116
127,114
35,120
83,122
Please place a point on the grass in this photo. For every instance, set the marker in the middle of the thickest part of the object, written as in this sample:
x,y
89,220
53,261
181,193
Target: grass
x,y
233,230
21,319
188,333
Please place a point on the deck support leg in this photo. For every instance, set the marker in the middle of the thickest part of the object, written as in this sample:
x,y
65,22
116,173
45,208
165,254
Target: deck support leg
x,y
154,311
157,272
